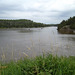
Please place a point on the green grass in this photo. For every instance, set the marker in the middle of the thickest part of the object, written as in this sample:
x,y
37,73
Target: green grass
x,y
41,65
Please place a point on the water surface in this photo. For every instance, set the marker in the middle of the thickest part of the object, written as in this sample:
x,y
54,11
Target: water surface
x,y
30,42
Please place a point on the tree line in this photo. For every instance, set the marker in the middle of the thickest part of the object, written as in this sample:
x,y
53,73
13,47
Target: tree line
x,y
70,22
21,23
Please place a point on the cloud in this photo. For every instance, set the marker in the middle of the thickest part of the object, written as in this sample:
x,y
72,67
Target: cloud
x,y
45,11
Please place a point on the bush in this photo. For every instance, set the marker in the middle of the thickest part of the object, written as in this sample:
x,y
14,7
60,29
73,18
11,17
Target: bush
x,y
41,65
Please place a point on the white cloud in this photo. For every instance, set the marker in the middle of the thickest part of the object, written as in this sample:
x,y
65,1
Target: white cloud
x,y
45,11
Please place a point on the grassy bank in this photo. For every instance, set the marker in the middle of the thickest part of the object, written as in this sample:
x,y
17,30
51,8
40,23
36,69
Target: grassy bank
x,y
42,65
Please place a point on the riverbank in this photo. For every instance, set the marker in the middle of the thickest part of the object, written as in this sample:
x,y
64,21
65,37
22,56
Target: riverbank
x,y
67,26
41,65
66,30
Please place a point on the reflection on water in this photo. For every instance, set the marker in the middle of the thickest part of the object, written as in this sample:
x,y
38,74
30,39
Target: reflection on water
x,y
30,42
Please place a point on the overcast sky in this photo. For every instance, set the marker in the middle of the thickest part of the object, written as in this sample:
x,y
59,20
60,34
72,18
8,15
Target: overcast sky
x,y
44,11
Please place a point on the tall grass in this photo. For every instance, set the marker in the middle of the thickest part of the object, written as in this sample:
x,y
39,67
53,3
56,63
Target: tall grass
x,y
41,65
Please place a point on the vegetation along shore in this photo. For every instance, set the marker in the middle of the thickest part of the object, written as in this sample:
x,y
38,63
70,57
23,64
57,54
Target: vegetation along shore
x,y
41,65
21,23
67,26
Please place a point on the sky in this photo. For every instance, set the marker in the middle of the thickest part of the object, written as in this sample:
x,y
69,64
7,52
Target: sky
x,y
44,11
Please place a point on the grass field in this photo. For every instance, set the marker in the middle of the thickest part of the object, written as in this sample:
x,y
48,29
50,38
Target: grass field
x,y
41,65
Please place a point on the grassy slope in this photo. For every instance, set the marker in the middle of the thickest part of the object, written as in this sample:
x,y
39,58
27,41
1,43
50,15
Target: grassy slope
x,y
49,65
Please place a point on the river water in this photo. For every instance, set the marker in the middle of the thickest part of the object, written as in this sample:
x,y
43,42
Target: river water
x,y
30,42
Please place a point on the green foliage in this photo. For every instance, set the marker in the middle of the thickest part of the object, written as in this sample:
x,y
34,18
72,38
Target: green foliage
x,y
70,22
41,65
19,23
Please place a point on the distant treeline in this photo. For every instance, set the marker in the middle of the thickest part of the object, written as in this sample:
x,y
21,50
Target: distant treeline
x,y
52,24
19,23
70,22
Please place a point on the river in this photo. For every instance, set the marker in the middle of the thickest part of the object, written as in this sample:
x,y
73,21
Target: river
x,y
18,43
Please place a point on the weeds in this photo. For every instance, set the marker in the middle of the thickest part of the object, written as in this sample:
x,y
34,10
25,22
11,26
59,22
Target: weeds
x,y
41,65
